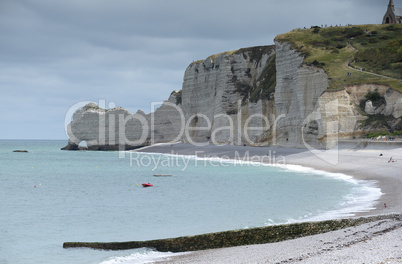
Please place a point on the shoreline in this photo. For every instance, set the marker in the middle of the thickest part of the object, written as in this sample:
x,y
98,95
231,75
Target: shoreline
x,y
368,163
362,164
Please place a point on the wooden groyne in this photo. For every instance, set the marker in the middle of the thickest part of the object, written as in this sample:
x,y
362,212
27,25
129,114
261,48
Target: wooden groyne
x,y
233,238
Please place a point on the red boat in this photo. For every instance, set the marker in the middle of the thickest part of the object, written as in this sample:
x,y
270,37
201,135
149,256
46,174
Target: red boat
x,y
147,185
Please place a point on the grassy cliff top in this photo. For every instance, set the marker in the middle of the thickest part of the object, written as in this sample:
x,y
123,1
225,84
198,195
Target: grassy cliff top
x,y
375,48
255,53
212,57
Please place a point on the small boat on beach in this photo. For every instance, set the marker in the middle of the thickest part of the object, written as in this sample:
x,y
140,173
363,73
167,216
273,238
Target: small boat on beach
x,y
162,175
147,185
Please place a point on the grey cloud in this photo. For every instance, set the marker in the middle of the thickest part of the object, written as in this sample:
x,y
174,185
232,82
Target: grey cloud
x,y
56,53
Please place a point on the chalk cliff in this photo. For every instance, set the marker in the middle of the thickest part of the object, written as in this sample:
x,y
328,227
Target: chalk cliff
x,y
255,96
228,93
117,129
297,94
227,98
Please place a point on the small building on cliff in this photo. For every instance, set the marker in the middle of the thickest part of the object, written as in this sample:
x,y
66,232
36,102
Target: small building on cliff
x,y
393,14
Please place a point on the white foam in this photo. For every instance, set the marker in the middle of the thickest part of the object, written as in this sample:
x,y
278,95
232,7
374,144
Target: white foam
x,y
154,145
143,255
362,199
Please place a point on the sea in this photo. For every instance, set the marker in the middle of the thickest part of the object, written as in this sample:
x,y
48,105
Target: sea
x,y
49,196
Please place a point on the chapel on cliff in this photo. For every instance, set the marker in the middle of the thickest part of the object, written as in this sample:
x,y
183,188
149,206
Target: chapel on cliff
x,y
393,14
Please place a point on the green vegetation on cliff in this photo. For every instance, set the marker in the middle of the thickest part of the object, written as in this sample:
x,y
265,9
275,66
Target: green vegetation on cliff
x,y
255,53
93,106
343,51
212,57
265,84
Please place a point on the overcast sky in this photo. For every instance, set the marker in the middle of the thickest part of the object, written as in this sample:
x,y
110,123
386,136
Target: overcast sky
x,y
55,54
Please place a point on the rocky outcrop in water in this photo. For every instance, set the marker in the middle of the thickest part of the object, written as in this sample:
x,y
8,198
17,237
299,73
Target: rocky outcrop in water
x,y
117,129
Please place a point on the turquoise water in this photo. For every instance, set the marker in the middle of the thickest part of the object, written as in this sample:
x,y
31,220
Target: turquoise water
x,y
51,196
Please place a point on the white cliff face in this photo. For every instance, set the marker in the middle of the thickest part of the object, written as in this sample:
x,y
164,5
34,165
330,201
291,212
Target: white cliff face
x,y
213,106
337,118
297,93
231,98
216,100
165,124
117,129
394,103
106,129
393,99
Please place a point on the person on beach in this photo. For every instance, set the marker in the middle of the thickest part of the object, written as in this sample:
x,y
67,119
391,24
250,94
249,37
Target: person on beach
x,y
385,205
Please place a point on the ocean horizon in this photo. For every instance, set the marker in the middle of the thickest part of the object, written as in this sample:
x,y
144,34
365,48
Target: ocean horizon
x,y
52,196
